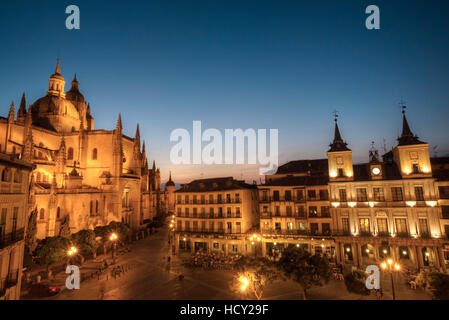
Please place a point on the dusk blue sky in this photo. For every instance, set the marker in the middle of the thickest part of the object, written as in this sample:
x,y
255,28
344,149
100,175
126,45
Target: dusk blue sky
x,y
240,64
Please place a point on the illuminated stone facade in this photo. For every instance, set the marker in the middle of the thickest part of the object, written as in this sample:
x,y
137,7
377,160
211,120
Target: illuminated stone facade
x,y
359,214
94,176
215,215
14,187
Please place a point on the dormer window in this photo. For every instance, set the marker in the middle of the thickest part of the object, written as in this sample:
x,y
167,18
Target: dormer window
x,y
415,168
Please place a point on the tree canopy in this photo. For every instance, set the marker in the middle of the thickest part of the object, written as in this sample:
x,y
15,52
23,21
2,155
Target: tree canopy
x,y
307,270
85,241
52,249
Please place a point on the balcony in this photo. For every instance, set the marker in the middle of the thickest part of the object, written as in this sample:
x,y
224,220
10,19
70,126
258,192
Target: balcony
x,y
9,281
296,232
11,238
207,231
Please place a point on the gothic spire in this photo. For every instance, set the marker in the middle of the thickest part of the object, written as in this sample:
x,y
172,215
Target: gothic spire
x,y
119,122
154,166
407,137
137,137
338,144
11,113
22,109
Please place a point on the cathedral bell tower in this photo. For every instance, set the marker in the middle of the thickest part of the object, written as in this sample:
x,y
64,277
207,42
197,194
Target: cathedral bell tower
x,y
56,83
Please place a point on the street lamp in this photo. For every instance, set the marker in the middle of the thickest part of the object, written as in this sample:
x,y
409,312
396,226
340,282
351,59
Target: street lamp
x,y
254,239
72,251
391,267
113,237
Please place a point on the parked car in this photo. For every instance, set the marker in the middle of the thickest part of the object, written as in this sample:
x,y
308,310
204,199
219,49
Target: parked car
x,y
44,289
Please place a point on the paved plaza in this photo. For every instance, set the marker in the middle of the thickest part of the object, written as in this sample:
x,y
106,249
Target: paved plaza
x,y
151,278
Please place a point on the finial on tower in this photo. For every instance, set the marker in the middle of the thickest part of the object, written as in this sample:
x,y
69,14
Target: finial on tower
x,y
335,113
58,68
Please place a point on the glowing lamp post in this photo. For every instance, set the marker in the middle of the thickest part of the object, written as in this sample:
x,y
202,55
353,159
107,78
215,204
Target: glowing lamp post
x,y
113,238
71,252
390,266
255,239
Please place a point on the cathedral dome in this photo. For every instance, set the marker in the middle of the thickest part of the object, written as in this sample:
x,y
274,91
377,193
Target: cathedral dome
x,y
49,106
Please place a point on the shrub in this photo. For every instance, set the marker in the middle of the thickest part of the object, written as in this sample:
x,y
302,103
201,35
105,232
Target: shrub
x,y
85,241
52,249
356,283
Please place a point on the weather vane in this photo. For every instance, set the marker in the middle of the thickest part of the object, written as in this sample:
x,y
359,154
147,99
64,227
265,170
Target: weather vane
x,y
402,105
335,113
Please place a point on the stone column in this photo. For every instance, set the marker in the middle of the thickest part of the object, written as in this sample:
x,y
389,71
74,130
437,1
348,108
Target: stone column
x,y
420,257
437,257
415,256
343,260
376,252
359,254
355,250
338,252
192,246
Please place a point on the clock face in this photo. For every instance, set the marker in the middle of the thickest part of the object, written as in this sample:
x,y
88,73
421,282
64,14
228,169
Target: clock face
x,y
376,171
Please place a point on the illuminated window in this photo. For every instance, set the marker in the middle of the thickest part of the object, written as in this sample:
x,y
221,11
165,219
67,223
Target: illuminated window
x,y
364,225
396,193
361,194
419,194
378,194
382,225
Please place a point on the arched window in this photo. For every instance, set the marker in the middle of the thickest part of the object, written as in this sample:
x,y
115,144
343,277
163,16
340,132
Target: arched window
x,y
58,213
96,206
42,214
5,175
70,154
94,154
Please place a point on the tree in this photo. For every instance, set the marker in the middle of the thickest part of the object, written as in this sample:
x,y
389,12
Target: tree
x,y
437,284
85,241
307,270
30,239
52,249
120,228
64,230
356,283
253,275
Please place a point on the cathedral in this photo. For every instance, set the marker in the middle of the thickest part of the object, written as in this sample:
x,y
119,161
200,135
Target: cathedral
x,y
92,176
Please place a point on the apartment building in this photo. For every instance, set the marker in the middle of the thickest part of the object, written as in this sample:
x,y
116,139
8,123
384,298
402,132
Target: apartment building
x,y
14,192
295,209
215,215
